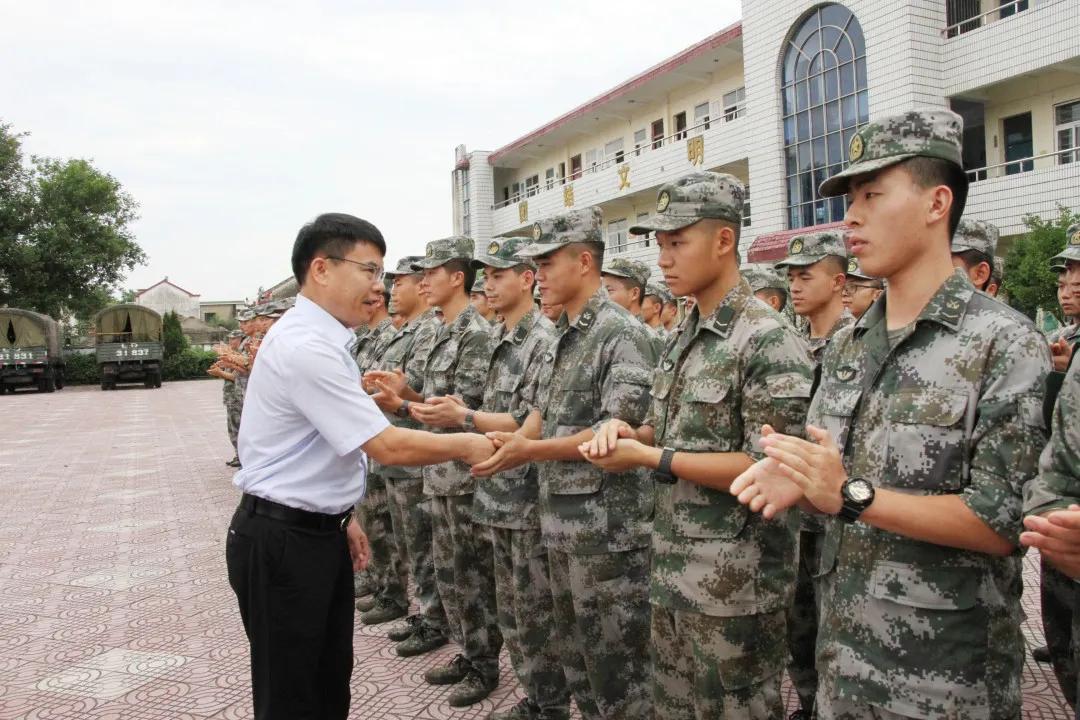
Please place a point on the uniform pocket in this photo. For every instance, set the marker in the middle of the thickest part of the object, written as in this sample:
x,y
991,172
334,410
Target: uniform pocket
x,y
700,512
835,405
926,439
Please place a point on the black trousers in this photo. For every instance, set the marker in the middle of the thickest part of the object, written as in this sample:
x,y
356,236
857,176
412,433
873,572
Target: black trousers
x,y
295,590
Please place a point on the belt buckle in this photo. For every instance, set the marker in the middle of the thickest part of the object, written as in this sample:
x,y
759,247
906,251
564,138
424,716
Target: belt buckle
x,y
345,521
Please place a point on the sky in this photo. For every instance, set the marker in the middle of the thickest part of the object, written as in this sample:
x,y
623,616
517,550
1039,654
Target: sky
x,y
234,123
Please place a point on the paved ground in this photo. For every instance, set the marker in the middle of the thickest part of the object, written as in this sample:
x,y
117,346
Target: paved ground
x,y
113,597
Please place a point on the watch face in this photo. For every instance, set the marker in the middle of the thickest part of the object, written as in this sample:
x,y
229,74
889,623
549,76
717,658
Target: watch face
x,y
859,490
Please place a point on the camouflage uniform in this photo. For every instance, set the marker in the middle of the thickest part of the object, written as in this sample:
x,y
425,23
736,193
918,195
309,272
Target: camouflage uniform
x,y
721,575
241,376
387,565
981,237
233,400
662,294
506,504
949,405
410,511
464,569
763,276
596,525
1056,487
638,272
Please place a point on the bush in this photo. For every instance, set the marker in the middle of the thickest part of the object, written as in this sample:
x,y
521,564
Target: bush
x,y
172,336
81,369
188,364
1029,282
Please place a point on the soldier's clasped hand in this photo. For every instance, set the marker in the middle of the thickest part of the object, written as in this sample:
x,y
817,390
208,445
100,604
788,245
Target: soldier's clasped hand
x,y
1057,536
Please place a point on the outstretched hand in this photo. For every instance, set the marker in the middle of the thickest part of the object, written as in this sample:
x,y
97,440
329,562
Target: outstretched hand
x,y
446,412
511,451
477,448
393,379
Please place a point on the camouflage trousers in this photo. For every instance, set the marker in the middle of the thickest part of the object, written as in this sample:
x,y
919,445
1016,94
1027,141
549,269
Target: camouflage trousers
x,y
234,403
387,564
527,616
410,514
802,623
707,667
602,618
1059,599
465,572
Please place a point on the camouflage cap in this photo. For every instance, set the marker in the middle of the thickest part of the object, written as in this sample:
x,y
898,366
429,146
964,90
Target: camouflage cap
x,y
404,266
478,283
810,248
997,271
563,229
440,252
266,309
975,235
245,314
693,197
626,268
854,270
502,253
658,291
1071,251
762,276
235,334
933,133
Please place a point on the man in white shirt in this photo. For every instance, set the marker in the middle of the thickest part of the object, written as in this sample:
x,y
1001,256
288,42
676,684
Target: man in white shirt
x,y
305,436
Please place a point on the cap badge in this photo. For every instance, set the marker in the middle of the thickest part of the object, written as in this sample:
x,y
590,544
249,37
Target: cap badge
x,y
852,265
493,248
1075,239
856,148
663,201
538,231
796,246
430,249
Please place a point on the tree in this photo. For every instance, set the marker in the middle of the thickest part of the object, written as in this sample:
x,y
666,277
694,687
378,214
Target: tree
x,y
1029,281
65,237
172,335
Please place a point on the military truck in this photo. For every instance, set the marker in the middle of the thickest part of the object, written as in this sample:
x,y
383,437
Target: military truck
x,y
30,353
127,344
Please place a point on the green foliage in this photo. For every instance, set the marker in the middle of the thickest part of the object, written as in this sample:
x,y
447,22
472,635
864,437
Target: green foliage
x,y
65,237
1029,281
172,335
82,369
189,364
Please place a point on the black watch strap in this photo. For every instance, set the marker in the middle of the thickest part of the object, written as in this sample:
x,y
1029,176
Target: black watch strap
x,y
663,472
403,411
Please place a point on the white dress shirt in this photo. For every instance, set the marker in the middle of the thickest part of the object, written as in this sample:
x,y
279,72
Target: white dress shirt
x,y
306,416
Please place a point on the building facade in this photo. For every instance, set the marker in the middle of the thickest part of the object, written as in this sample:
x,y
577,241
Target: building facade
x,y
775,99
164,297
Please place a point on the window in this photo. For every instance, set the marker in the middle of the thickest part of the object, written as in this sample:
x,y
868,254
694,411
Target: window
x,y
701,117
506,193
746,206
562,173
642,217
465,202
639,140
657,133
210,318
1019,143
733,104
824,101
962,16
592,159
680,126
532,185
575,167
515,192
1011,7
616,235
614,149
1067,130
549,178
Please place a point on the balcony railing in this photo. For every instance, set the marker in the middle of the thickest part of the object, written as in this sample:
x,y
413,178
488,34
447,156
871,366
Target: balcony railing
x,y
1022,165
973,22
622,156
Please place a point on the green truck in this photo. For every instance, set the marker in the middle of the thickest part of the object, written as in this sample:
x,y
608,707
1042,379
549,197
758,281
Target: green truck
x,y
127,345
30,352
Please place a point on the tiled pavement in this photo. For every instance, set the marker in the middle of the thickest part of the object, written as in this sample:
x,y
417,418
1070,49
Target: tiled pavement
x,y
113,597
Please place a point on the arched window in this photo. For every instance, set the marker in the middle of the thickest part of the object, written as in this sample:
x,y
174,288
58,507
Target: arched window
x,y
824,97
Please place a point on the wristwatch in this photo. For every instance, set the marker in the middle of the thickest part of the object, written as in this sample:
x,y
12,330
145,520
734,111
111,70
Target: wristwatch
x,y
663,473
403,411
468,423
857,493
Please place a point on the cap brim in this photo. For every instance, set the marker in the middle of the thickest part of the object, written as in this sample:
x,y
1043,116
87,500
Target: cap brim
x,y
663,223
798,261
428,263
838,183
494,262
540,249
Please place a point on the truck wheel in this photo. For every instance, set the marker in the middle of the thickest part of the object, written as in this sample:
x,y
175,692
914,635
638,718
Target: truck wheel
x,y
47,384
59,381
104,384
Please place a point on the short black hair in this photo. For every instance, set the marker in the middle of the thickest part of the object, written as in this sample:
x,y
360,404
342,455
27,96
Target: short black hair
x,y
775,293
596,249
930,172
462,265
971,258
629,284
839,264
331,234
386,298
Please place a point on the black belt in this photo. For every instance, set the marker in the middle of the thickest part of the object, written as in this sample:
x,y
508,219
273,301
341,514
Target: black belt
x,y
295,516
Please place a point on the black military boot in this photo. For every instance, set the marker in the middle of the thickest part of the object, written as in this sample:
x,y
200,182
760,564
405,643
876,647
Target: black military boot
x,y
452,672
1041,654
472,689
423,640
526,709
404,632
383,611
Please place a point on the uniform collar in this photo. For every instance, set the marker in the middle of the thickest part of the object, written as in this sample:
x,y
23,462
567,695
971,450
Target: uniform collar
x,y
316,316
464,318
588,314
946,308
726,313
521,330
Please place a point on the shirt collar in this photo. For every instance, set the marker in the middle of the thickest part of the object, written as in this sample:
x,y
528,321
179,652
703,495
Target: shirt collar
x,y
946,307
314,315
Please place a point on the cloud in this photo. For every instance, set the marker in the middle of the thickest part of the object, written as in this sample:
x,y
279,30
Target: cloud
x,y
234,123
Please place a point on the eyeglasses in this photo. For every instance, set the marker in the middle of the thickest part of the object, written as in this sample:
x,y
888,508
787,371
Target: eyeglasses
x,y
372,269
850,288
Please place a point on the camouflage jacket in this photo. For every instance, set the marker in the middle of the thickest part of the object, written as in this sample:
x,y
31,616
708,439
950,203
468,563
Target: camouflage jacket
x,y
950,406
1058,483
720,380
371,345
456,365
401,352
508,500
1070,332
427,327
600,367
241,376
